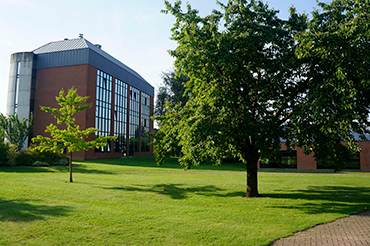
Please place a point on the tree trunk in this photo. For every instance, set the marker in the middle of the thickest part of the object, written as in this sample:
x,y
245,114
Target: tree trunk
x,y
70,168
252,180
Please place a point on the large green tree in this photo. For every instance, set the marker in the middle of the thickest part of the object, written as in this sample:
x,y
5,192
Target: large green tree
x,y
15,131
69,136
255,79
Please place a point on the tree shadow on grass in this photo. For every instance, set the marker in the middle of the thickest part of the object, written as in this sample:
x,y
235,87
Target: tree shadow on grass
x,y
171,163
175,191
86,169
76,168
232,194
326,199
23,210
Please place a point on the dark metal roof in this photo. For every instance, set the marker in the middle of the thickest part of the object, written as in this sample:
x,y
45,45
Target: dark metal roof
x,y
63,45
79,51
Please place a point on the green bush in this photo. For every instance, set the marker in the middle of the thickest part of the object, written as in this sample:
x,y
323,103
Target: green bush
x,y
4,148
61,162
40,164
26,158
12,155
30,156
52,157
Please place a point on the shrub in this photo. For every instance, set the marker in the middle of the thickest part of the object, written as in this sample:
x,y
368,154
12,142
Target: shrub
x,y
4,148
40,164
26,159
30,156
52,157
12,155
61,162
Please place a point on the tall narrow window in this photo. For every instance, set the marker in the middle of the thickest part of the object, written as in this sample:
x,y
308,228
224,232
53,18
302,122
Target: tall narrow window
x,y
120,113
145,115
103,107
16,92
134,120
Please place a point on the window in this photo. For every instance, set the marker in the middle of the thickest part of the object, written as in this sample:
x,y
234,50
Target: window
x,y
32,97
120,116
145,116
103,107
134,120
16,95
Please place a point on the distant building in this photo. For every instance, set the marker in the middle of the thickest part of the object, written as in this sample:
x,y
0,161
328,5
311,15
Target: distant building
x,y
296,159
121,99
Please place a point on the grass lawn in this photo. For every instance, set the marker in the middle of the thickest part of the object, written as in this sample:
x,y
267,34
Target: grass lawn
x,y
133,202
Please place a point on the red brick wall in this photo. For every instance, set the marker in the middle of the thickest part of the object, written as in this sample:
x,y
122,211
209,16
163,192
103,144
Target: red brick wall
x,y
304,162
365,156
49,81
90,113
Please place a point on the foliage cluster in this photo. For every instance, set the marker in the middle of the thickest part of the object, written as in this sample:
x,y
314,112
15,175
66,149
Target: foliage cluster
x,y
10,156
15,131
13,134
173,91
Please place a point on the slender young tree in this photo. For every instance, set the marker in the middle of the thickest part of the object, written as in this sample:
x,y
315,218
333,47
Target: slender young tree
x,y
69,135
249,89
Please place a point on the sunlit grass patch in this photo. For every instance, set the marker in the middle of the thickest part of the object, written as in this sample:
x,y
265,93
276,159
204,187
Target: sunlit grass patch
x,y
134,202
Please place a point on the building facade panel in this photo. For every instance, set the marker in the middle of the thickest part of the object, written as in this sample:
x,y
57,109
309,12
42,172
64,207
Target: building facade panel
x,y
63,58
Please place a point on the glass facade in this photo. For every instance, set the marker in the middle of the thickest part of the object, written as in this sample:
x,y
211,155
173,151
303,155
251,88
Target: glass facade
x,y
134,119
122,112
145,116
103,107
120,116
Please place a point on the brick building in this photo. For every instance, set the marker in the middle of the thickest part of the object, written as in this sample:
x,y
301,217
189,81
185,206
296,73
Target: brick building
x,y
121,99
296,159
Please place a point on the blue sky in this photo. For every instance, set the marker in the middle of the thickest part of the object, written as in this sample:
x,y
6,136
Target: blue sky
x,y
134,32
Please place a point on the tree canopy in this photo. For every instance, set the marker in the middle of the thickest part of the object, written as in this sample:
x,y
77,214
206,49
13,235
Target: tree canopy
x,y
172,91
256,79
171,98
69,136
